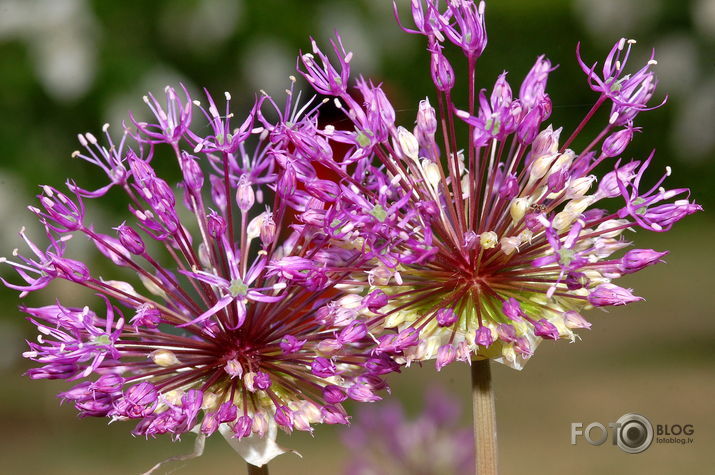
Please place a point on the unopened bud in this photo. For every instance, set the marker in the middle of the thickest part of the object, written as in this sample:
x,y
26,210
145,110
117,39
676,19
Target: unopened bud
x,y
245,197
426,118
164,358
130,239
518,208
580,186
408,143
540,167
267,230
431,171
546,143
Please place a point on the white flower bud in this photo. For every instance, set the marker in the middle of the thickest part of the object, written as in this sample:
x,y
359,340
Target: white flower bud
x,y
174,396
204,255
605,246
253,229
233,368
563,220
328,347
164,358
301,421
547,142
312,412
563,161
350,301
580,186
395,319
508,352
518,208
408,143
465,186
260,424
431,172
612,223
578,205
540,167
488,239
151,286
248,381
521,327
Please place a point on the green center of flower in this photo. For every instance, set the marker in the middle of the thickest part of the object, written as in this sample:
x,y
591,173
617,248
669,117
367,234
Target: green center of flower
x,y
362,139
102,340
379,212
237,288
565,256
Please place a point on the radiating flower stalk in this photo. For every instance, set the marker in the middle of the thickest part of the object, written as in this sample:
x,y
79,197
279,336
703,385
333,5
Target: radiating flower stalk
x,y
239,326
485,226
295,262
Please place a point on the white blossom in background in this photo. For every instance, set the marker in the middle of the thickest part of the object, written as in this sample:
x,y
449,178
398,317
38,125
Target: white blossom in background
x,y
703,14
201,26
61,37
617,16
266,63
693,126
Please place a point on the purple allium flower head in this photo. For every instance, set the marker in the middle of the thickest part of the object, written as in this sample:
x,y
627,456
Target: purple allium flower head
x,y
383,440
222,326
497,239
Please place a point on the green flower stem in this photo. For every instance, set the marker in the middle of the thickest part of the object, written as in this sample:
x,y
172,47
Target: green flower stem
x,y
485,421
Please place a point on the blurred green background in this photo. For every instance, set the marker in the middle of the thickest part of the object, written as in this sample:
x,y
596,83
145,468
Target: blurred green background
x,y
68,66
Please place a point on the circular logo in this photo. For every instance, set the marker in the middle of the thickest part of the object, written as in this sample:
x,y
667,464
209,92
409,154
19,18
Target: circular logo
x,y
635,433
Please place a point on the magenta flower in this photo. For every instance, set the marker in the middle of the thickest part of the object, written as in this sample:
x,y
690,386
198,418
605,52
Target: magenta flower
x,y
218,314
488,245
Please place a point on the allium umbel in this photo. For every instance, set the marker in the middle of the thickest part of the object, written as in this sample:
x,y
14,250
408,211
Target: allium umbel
x,y
236,322
295,263
485,230
382,440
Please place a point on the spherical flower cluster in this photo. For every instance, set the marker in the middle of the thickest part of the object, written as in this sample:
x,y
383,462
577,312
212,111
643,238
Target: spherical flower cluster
x,y
486,231
383,440
295,263
223,311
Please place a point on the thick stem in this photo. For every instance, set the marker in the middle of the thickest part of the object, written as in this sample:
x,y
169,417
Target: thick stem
x,y
485,422
253,470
